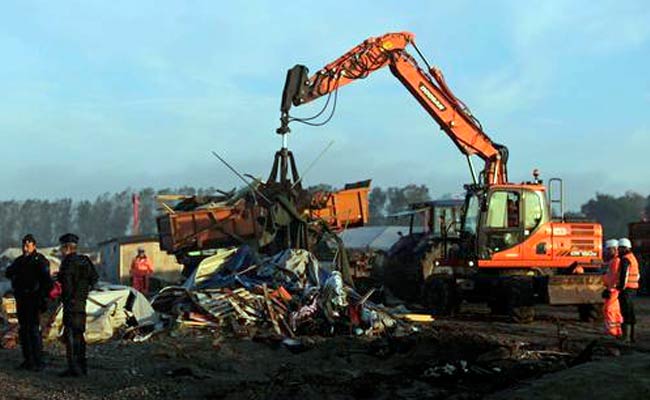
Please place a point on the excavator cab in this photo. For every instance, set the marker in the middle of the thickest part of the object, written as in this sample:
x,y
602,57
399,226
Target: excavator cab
x,y
500,218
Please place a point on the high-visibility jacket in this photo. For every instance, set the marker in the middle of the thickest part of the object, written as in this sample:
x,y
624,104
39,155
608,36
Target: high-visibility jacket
x,y
612,314
141,266
611,277
629,272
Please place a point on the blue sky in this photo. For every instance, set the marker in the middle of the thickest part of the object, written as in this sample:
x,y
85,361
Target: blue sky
x,y
99,96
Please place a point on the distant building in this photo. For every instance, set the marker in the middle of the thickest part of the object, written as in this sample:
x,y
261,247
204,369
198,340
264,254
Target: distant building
x,y
380,238
117,254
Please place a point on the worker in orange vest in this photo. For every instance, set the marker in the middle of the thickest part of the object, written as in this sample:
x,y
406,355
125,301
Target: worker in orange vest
x,y
611,306
628,283
141,270
612,262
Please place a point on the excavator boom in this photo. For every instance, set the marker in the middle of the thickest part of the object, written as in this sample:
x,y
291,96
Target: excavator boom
x,y
428,88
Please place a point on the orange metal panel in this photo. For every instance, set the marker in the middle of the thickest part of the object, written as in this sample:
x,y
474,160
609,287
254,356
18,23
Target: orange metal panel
x,y
347,207
567,244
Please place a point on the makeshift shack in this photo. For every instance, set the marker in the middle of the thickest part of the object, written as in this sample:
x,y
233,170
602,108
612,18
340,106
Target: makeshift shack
x,y
117,254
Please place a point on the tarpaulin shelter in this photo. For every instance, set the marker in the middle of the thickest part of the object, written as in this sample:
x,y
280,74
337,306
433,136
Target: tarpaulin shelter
x,y
108,309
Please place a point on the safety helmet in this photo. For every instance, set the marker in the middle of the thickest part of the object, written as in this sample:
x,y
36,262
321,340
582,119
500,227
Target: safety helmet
x,y
624,242
611,243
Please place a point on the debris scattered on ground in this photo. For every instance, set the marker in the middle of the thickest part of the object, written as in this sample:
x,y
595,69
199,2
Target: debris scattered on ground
x,y
238,292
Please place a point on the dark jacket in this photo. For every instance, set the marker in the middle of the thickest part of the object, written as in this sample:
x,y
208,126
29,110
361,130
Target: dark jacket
x,y
30,276
77,276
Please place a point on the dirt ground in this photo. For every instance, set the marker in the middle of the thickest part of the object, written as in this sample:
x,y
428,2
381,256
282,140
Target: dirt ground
x,y
471,356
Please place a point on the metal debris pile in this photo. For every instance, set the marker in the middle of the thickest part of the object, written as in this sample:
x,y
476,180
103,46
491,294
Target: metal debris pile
x,y
239,292
9,323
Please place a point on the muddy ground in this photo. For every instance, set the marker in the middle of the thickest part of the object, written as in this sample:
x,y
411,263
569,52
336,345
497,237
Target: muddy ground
x,y
471,356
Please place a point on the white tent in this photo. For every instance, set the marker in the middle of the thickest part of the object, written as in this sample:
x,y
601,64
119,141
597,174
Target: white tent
x,y
106,312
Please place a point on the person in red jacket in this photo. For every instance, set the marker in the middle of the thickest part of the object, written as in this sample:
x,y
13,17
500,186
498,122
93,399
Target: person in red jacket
x,y
628,283
141,270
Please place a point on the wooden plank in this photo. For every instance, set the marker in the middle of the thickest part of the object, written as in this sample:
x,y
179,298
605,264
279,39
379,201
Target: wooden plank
x,y
270,311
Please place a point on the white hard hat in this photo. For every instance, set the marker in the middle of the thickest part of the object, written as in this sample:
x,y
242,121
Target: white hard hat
x,y
611,243
624,242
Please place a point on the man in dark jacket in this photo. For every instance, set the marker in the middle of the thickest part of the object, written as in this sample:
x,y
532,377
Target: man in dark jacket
x,y
31,283
77,276
628,285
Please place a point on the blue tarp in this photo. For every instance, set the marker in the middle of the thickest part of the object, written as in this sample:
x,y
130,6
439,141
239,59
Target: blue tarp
x,y
241,267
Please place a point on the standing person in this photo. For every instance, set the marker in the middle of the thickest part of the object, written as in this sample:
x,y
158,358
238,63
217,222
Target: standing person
x,y
31,283
77,276
628,284
141,270
610,256
611,306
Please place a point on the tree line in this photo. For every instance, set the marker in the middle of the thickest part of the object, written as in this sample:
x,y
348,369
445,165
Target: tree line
x,y
107,216
110,215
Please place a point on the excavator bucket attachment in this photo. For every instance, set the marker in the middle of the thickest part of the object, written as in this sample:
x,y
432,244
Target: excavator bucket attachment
x,y
575,289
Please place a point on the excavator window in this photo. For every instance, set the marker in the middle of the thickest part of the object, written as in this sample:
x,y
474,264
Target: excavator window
x,y
503,211
533,210
503,223
472,213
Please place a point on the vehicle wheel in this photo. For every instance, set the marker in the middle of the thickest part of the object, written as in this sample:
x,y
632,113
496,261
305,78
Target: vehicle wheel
x,y
498,306
428,261
440,296
402,279
589,313
519,292
522,315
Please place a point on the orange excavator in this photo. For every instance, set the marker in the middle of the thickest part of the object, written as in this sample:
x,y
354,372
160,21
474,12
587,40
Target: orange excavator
x,y
510,251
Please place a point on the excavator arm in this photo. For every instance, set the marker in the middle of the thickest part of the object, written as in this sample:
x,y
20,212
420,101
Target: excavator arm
x,y
428,88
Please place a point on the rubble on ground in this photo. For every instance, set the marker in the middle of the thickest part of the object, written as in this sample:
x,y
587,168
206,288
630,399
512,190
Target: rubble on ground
x,y
235,292
239,292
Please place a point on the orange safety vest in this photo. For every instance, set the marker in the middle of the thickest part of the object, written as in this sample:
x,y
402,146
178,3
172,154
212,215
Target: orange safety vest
x,y
611,277
632,272
141,266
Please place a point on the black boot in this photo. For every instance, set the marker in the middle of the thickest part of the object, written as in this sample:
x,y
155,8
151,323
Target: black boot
x,y
80,353
37,349
24,366
25,346
73,369
625,337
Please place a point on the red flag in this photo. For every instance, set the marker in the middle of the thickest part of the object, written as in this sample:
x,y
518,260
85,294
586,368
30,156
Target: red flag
x,y
135,199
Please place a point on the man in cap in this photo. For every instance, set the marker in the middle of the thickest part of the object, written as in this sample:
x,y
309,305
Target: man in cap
x,y
77,276
610,256
141,270
31,283
628,283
